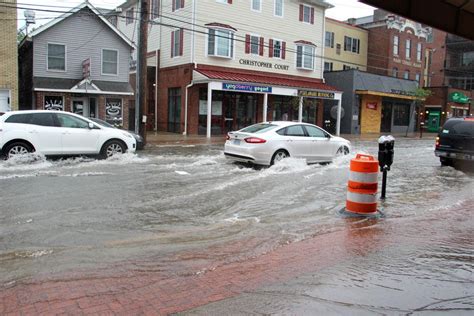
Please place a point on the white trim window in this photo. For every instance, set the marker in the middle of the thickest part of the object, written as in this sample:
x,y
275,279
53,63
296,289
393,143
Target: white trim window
x,y
305,57
408,49
406,74
277,48
278,5
306,14
257,5
177,4
110,61
396,50
418,52
220,43
56,57
176,43
155,9
328,66
351,44
329,39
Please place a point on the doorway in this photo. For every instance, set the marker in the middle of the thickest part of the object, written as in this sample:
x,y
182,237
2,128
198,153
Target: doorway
x,y
86,107
4,101
386,122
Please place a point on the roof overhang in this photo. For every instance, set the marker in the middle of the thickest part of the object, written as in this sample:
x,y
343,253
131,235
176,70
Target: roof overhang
x,y
386,94
452,16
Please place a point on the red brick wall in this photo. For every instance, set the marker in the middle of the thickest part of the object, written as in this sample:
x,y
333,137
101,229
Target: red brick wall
x,y
172,77
378,51
438,57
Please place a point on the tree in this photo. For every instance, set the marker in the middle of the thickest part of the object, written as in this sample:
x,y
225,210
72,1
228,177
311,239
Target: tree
x,y
420,94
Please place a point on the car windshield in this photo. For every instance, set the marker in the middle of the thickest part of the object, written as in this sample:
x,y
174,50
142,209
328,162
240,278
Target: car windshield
x,y
102,123
258,128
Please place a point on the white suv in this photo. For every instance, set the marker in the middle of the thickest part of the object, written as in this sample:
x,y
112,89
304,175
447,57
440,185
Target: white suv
x,y
59,133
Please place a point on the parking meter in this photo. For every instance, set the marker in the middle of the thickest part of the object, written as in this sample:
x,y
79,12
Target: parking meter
x,y
385,157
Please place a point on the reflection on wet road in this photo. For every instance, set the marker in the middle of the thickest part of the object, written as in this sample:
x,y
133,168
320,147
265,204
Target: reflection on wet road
x,y
186,210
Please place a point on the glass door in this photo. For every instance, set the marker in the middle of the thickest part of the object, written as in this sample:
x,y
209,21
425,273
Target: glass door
x,y
386,122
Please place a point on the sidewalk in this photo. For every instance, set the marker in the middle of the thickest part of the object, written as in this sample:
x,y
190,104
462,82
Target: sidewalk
x,y
167,139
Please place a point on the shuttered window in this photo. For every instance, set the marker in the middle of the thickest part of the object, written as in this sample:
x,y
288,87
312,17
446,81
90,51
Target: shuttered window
x,y
306,14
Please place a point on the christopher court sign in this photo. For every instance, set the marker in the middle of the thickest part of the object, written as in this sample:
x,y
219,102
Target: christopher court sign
x,y
262,64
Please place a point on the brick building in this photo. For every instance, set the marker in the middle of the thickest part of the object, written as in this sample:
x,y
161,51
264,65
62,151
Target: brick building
x,y
216,72
397,46
9,55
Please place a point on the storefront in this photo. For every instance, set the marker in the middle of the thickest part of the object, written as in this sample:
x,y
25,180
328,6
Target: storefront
x,y
107,101
225,104
374,103
444,103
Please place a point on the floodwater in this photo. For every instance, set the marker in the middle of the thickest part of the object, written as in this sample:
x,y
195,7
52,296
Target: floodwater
x,y
142,213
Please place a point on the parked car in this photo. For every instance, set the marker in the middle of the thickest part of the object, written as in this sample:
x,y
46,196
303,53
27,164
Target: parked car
x,y
268,142
455,142
57,133
138,138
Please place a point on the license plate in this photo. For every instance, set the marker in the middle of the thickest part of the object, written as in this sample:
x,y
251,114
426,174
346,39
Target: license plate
x,y
236,141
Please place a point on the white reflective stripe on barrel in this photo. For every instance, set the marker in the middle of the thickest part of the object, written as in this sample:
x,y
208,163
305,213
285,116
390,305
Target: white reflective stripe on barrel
x,y
361,198
362,177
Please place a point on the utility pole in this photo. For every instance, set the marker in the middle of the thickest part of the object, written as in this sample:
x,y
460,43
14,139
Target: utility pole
x,y
141,102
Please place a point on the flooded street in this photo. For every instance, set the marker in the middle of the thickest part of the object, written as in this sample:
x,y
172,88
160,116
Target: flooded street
x,y
185,210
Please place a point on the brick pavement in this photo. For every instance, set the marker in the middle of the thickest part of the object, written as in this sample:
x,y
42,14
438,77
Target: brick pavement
x,y
157,294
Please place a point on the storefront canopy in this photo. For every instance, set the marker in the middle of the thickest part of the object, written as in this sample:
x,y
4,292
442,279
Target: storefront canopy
x,y
270,80
81,86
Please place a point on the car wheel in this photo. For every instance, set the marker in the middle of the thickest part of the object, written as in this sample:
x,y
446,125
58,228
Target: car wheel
x,y
445,161
279,155
111,148
17,149
342,151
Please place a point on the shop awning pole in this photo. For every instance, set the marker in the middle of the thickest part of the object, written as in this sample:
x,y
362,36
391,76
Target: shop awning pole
x,y
265,107
338,97
209,110
300,110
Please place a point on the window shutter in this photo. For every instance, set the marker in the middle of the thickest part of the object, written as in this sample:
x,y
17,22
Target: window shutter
x,y
301,12
312,15
182,3
270,48
247,44
181,42
173,5
172,44
229,1
261,46
283,50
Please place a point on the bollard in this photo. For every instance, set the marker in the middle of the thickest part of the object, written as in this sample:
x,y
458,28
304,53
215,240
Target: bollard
x,y
362,187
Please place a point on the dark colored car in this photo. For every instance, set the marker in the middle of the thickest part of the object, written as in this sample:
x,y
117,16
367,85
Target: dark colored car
x,y
139,139
455,142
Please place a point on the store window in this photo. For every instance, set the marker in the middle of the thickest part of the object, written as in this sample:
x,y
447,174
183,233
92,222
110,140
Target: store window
x,y
401,114
305,57
284,108
220,43
114,111
54,103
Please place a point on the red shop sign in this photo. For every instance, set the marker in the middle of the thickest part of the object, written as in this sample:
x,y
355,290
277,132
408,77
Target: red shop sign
x,y
372,105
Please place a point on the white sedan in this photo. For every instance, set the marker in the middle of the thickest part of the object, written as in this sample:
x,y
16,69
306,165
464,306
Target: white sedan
x,y
59,133
268,142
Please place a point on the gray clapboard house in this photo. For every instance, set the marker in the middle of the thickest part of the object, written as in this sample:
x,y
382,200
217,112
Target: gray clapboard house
x,y
78,62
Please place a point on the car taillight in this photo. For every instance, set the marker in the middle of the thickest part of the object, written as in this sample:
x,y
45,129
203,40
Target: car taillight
x,y
255,140
469,118
437,143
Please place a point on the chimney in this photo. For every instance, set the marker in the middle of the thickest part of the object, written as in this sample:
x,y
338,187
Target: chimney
x,y
352,21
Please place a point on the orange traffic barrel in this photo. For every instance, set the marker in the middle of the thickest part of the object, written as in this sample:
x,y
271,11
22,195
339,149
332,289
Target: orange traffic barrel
x,y
362,185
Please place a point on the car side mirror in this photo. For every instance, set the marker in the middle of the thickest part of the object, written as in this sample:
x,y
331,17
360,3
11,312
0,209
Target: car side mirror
x,y
91,125
328,136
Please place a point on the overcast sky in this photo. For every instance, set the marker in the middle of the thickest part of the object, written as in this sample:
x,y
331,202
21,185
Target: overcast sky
x,y
343,9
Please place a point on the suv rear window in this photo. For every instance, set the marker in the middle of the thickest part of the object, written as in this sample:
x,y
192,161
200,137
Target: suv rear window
x,y
19,118
258,128
459,127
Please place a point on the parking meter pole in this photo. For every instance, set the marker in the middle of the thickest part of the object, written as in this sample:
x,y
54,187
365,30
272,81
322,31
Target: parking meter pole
x,y
384,183
385,158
